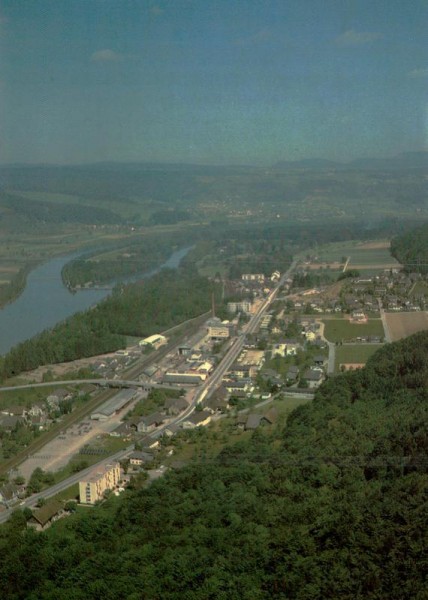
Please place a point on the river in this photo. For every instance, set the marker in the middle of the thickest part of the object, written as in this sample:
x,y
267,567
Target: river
x,y
45,300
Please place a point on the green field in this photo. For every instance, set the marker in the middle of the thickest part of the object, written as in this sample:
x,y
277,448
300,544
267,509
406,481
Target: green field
x,y
355,353
342,330
364,257
420,288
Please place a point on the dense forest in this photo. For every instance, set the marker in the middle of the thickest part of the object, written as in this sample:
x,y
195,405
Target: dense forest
x,y
411,249
138,309
334,505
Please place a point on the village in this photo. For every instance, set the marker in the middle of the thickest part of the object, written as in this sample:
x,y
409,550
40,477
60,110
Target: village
x,y
287,357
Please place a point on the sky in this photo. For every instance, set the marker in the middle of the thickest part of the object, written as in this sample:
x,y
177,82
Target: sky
x,y
211,81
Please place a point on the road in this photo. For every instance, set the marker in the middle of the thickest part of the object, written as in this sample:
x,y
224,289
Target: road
x,y
232,354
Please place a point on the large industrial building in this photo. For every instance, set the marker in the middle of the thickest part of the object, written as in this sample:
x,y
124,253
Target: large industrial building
x,y
114,405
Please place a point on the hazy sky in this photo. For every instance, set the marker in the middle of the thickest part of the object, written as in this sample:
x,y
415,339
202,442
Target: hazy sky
x,y
211,81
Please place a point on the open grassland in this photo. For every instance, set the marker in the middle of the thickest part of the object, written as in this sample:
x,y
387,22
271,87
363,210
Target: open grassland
x,y
342,330
354,353
401,325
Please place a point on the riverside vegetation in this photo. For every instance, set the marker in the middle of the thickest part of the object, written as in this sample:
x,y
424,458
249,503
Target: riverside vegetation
x,y
333,505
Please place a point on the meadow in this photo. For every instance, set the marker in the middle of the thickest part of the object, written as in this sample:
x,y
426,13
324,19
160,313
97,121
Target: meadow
x,y
354,353
342,330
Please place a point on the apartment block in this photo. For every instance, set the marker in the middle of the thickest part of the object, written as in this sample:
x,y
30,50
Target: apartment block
x,y
93,487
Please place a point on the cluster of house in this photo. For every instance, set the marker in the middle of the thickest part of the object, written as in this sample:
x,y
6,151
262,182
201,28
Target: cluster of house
x,y
251,286
110,367
39,415
194,366
392,289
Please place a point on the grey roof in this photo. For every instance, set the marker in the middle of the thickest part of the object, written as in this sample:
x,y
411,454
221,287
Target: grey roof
x,y
153,419
118,401
9,422
198,417
272,415
139,455
253,421
178,403
9,491
312,375
182,378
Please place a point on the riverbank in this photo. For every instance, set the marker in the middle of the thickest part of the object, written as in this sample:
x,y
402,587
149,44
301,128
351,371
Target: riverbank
x,y
45,301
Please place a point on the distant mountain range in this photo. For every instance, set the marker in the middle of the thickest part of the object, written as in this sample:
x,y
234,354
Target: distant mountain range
x,y
404,160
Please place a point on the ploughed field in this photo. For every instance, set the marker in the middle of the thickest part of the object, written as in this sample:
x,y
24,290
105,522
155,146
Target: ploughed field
x,y
403,324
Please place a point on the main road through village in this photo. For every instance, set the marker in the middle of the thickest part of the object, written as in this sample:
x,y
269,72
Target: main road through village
x,y
204,392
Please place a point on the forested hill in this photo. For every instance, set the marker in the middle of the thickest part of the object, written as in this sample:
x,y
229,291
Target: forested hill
x,y
333,506
411,249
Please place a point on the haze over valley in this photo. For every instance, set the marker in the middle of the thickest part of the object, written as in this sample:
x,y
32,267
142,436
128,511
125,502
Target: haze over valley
x,y
213,300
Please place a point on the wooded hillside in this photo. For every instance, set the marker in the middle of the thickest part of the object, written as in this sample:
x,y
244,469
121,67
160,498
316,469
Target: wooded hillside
x,y
411,249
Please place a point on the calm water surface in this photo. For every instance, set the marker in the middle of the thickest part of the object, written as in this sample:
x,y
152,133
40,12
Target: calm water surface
x,y
46,301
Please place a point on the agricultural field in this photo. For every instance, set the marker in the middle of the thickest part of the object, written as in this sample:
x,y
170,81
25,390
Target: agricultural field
x,y
403,324
419,289
365,256
354,354
342,330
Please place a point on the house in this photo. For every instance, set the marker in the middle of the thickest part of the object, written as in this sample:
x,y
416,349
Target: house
x,y
14,411
9,423
242,385
319,360
313,377
36,411
124,430
174,406
257,277
38,422
43,517
279,350
58,396
292,346
218,402
184,350
139,458
10,492
252,422
171,430
292,374
150,422
271,416
197,419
